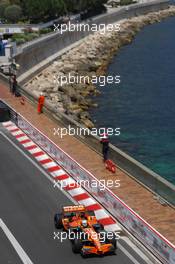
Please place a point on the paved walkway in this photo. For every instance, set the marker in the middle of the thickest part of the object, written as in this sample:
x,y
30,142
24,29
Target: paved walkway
x,y
161,217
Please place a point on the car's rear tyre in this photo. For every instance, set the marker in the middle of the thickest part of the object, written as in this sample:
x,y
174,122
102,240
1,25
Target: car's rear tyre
x,y
112,240
84,255
98,228
77,246
58,221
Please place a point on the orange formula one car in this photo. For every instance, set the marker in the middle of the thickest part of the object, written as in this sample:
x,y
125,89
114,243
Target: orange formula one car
x,y
87,235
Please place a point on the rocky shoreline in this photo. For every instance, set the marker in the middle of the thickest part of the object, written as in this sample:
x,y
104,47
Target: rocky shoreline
x,y
91,58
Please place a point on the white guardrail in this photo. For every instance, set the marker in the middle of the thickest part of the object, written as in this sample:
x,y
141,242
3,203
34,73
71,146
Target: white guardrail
x,y
146,234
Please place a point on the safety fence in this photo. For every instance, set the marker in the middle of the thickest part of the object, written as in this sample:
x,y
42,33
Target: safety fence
x,y
147,235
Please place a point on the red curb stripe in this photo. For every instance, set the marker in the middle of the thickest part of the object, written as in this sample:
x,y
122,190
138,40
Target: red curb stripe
x,y
25,141
38,153
93,207
21,135
7,125
55,168
82,196
45,161
107,221
31,147
71,187
61,177
14,130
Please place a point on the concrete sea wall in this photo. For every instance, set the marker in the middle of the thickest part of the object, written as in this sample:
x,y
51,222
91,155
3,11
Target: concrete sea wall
x,y
38,52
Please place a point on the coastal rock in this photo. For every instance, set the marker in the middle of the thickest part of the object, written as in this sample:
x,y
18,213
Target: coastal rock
x,y
88,123
68,67
90,58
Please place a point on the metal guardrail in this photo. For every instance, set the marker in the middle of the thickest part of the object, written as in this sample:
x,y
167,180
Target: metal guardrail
x,y
151,180
147,235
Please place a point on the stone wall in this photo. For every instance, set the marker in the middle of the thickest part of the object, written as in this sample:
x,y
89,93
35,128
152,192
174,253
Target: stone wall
x,y
40,50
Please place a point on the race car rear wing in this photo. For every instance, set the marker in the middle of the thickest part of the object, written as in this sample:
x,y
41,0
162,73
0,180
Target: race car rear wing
x,y
74,208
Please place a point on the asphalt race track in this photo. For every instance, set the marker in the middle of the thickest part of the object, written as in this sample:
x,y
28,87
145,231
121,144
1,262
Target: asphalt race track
x,y
28,202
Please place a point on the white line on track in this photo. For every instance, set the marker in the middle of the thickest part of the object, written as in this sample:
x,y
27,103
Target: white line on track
x,y
128,254
38,167
62,190
139,252
20,251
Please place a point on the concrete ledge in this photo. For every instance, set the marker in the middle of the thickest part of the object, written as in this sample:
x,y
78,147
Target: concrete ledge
x,y
41,54
152,181
37,51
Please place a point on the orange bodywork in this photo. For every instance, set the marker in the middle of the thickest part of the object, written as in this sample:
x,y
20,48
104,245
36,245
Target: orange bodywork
x,y
96,247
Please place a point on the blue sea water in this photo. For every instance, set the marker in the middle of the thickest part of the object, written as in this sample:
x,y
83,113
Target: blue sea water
x,y
143,105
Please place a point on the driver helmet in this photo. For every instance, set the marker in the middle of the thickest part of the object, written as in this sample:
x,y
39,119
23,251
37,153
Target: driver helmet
x,y
82,215
84,223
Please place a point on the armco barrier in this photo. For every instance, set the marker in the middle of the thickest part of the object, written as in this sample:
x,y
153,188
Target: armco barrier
x,y
138,171
147,235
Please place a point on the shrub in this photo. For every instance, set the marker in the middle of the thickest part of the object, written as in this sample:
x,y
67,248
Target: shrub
x,y
45,30
30,36
17,36
126,2
13,13
20,41
24,37
3,6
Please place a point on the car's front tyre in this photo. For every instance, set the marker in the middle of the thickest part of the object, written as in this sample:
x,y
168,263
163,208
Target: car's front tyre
x,y
58,221
77,246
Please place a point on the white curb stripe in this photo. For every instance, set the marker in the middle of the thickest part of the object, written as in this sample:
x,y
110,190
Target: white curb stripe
x,y
57,173
35,150
7,123
11,128
49,165
22,138
100,214
42,157
29,144
76,191
69,182
113,228
16,133
87,202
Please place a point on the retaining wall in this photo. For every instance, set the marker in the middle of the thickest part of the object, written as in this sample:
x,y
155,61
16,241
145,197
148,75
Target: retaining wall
x,y
145,233
39,50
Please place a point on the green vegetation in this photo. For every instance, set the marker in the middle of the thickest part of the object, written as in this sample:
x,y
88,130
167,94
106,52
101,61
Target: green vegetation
x,y
3,6
13,13
21,38
37,11
127,2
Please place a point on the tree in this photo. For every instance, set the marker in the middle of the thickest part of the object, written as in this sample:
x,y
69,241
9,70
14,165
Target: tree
x,y
34,9
13,13
84,5
43,10
14,2
55,8
3,6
